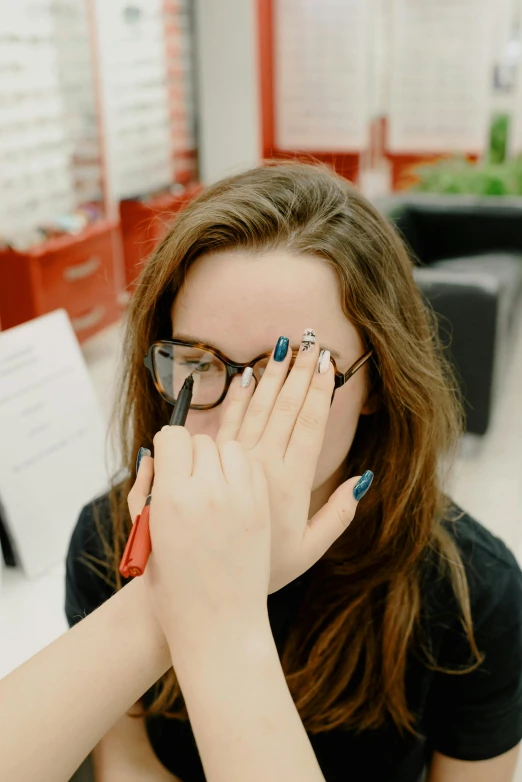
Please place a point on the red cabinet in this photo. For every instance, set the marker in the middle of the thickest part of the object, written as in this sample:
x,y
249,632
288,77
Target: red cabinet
x,y
73,272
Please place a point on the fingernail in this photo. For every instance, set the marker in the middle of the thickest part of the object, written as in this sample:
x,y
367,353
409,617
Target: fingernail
x,y
308,340
281,349
141,453
324,362
362,485
246,377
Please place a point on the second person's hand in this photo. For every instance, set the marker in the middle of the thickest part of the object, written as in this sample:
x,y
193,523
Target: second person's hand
x,y
210,530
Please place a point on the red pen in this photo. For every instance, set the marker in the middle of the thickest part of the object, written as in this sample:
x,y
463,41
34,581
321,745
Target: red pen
x,y
138,548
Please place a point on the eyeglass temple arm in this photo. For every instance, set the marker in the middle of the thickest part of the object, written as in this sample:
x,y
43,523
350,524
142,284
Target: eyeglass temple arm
x,y
353,369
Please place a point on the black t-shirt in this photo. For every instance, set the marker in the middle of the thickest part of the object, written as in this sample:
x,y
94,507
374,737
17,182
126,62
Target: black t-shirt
x,y
471,716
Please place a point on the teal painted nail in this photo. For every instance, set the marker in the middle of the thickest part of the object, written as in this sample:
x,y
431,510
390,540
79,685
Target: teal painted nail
x,y
281,349
362,485
141,453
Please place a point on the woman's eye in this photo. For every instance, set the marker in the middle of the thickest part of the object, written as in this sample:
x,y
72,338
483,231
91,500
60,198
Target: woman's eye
x,y
198,367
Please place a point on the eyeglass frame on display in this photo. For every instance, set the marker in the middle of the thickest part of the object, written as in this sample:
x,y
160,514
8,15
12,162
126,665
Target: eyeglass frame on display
x,y
234,368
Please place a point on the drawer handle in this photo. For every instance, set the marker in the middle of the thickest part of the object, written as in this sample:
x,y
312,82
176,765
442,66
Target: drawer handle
x,y
82,270
88,320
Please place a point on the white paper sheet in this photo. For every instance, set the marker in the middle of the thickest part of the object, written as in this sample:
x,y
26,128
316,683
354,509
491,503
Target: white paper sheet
x,y
52,438
440,75
321,53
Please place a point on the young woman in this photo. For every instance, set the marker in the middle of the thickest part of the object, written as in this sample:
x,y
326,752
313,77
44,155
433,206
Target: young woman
x,y
402,645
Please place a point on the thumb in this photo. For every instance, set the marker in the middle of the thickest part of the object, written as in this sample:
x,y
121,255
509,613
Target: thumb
x,y
143,483
334,517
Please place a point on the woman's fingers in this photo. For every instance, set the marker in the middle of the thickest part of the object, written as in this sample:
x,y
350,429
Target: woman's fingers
x,y
206,461
259,486
334,518
173,451
306,439
142,486
235,407
258,411
288,407
235,464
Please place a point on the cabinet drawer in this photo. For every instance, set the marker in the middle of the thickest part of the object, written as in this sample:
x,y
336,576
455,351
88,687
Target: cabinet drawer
x,y
90,320
74,276
75,273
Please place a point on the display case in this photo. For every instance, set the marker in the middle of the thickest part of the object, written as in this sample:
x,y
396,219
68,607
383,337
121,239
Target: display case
x,y
59,247
148,91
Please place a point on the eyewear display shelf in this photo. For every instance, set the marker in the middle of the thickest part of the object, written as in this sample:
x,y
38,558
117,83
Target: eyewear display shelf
x,y
147,70
52,166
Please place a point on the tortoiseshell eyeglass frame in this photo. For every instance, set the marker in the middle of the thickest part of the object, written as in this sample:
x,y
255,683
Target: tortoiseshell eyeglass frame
x,y
233,368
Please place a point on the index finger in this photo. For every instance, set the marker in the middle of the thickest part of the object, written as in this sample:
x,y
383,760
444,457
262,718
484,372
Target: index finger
x,y
235,406
307,435
173,454
141,488
288,407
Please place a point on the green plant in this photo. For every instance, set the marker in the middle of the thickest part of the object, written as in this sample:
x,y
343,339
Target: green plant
x,y
458,175
498,138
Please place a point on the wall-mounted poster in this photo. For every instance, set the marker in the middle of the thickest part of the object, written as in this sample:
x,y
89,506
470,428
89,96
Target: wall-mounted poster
x,y
441,70
321,67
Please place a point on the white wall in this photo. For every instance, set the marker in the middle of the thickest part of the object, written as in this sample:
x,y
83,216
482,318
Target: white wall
x,y
228,87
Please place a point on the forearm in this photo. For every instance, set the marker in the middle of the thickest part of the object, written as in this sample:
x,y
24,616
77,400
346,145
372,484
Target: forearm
x,y
57,706
244,720
501,769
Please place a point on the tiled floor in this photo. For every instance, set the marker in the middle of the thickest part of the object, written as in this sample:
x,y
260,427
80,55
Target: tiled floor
x,y
487,479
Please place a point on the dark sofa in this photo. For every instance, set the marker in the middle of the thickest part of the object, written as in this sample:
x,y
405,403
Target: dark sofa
x,y
468,264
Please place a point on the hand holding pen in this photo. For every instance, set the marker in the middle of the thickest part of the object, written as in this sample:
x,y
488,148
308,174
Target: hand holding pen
x,y
138,548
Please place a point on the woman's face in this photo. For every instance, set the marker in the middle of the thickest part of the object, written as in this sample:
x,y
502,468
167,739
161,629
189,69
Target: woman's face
x,y
242,303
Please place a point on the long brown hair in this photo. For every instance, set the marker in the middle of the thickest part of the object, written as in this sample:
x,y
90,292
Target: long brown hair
x,y
345,657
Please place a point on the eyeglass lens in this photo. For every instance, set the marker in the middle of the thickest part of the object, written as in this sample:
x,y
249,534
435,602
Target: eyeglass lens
x,y
174,363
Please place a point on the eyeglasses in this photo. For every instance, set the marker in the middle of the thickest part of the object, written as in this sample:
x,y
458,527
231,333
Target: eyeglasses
x,y
170,362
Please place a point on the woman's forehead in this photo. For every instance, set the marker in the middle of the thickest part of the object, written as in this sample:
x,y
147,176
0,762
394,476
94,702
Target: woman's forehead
x,y
243,303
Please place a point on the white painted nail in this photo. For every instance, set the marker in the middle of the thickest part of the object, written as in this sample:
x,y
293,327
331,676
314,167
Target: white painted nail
x,y
246,377
324,362
308,340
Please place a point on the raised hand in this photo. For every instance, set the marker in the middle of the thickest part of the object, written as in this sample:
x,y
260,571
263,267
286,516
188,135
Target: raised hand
x,y
282,425
210,532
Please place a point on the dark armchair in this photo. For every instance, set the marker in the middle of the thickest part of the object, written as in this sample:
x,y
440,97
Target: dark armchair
x,y
468,257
